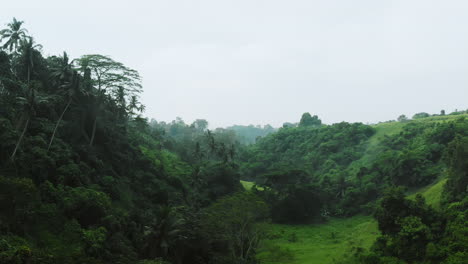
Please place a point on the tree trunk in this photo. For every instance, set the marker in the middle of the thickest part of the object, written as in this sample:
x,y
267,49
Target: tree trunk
x,y
20,139
93,133
20,122
58,123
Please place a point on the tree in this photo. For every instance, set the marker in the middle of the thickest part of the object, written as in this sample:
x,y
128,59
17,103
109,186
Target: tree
x,y
233,221
163,233
29,56
420,115
309,121
70,89
134,104
110,75
62,70
402,118
31,98
200,124
29,101
14,34
456,187
110,78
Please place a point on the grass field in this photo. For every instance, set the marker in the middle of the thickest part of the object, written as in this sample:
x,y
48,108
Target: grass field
x,y
317,244
325,243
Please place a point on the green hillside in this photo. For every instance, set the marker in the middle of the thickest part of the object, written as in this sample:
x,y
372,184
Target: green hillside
x,y
331,241
334,240
392,128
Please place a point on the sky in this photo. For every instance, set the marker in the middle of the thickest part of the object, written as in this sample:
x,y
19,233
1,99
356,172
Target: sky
x,y
267,62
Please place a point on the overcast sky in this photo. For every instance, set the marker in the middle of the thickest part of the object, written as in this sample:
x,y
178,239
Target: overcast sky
x,y
259,62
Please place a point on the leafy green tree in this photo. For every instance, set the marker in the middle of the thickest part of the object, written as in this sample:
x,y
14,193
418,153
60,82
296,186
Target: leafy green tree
x,y
110,75
309,121
233,221
18,200
110,78
402,118
200,124
163,233
420,115
456,187
94,239
14,34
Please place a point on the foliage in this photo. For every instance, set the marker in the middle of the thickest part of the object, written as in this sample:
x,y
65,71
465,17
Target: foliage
x,y
84,178
232,222
309,121
250,134
323,243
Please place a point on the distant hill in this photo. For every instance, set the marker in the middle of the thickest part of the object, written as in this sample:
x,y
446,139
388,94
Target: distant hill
x,y
249,134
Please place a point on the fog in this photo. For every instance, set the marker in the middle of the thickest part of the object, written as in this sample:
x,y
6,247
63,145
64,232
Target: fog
x,y
259,62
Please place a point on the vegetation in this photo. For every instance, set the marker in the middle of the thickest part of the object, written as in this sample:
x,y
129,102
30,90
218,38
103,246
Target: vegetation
x,y
250,134
319,243
84,178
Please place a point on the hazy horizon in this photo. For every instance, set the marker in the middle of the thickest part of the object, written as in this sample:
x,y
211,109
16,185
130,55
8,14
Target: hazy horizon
x,y
267,62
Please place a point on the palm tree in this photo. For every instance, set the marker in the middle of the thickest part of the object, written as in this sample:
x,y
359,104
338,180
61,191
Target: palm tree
x,y
71,88
62,72
29,101
134,104
96,109
163,233
14,33
27,54
24,63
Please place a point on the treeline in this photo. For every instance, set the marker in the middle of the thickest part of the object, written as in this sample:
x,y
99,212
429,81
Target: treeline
x,y
85,179
250,134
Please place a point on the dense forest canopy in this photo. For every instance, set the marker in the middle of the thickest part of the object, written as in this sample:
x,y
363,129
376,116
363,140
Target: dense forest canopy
x,y
86,178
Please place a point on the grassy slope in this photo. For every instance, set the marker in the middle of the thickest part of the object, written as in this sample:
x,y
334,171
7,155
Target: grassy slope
x,y
322,243
431,193
247,185
392,128
319,243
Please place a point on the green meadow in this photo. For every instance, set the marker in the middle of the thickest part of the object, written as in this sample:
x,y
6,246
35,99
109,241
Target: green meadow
x,y
331,241
318,243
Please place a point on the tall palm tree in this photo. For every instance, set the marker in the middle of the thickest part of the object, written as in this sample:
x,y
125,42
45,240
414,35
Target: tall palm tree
x,y
71,88
134,104
14,34
95,110
29,101
28,50
163,233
